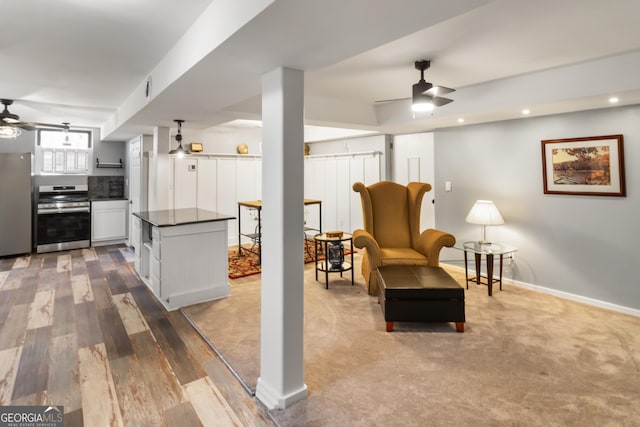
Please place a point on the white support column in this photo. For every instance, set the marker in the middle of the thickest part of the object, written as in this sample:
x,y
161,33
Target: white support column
x,y
160,185
281,381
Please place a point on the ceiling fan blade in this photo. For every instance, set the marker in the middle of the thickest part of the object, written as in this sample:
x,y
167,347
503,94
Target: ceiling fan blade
x,y
36,125
439,90
382,101
25,126
439,101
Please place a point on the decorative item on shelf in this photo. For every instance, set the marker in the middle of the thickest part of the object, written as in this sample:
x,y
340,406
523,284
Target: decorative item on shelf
x,y
111,165
307,149
196,147
335,254
242,149
334,234
484,212
179,151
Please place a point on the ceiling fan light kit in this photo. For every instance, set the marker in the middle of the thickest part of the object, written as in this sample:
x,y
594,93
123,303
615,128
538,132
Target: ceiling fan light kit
x,y
426,96
7,131
11,126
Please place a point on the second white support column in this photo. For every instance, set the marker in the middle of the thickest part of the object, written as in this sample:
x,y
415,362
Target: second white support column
x,y
281,381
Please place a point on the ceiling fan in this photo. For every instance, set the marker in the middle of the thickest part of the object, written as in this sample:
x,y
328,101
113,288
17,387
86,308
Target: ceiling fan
x,y
425,95
11,126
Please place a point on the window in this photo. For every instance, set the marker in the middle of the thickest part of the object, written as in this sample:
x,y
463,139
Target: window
x,y
63,151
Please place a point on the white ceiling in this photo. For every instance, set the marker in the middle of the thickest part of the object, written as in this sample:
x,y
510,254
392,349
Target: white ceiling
x,y
85,61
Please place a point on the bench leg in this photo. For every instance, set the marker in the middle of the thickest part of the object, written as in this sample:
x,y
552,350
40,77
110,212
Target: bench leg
x,y
389,326
459,326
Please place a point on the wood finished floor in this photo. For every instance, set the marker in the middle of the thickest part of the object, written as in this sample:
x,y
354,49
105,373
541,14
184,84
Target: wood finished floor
x,y
78,328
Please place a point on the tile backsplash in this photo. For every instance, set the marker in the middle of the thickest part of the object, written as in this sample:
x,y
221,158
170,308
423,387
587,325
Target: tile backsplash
x,y
106,187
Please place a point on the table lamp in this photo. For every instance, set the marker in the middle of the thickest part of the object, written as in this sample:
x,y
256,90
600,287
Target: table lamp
x,y
484,212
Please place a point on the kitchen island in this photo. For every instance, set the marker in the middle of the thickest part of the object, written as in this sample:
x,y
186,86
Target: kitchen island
x,y
183,256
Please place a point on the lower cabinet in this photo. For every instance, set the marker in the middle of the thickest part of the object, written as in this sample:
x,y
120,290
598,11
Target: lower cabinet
x,y
108,221
185,264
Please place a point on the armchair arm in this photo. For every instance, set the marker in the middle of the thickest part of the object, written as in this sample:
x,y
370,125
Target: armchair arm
x,y
431,241
363,239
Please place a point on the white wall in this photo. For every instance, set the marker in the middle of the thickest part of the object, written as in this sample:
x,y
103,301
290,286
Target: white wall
x,y
413,161
582,245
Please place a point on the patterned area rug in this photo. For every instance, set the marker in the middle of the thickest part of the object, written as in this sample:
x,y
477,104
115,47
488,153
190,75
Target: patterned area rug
x,y
248,264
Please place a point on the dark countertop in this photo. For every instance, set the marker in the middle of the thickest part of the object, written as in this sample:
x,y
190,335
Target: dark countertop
x,y
167,218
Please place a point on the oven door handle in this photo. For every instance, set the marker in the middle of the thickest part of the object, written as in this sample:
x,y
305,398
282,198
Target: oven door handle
x,y
63,210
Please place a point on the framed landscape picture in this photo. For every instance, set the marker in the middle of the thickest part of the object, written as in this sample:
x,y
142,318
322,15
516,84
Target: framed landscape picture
x,y
592,166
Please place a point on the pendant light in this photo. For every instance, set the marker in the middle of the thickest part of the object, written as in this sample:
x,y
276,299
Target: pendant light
x,y
179,151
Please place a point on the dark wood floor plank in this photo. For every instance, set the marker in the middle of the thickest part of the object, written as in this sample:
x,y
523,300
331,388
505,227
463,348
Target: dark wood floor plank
x,y
149,306
87,324
115,335
7,297
28,289
63,383
129,276
6,264
94,269
117,258
106,263
115,283
50,260
14,329
176,352
198,348
33,371
101,292
64,318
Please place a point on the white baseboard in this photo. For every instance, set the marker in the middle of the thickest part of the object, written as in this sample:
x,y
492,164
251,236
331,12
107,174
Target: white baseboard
x,y
566,295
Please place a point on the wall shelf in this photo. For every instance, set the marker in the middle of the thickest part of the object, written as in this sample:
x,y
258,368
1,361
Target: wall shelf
x,y
111,165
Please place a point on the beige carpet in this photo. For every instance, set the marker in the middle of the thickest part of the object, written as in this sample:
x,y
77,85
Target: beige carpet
x,y
525,359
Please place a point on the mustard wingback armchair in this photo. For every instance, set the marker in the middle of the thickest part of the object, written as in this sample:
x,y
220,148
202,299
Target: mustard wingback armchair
x,y
391,235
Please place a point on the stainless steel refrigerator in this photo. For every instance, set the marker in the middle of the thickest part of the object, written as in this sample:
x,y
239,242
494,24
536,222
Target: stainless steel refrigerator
x,y
15,203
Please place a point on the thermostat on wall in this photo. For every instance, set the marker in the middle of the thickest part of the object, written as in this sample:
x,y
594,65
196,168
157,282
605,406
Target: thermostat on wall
x,y
196,147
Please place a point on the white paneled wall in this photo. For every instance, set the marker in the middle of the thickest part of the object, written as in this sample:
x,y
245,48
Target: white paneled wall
x,y
218,182
330,178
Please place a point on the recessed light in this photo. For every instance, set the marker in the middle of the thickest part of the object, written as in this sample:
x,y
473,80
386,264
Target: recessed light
x,y
460,120
526,111
613,100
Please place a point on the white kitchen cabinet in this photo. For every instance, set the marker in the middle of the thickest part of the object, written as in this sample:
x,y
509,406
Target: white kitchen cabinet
x,y
108,221
184,260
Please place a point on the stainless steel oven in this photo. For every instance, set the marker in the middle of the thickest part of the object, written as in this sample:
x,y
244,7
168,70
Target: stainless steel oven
x,y
63,218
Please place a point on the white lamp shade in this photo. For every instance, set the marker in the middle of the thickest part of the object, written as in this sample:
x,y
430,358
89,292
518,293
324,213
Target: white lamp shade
x,y
484,212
